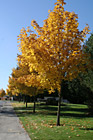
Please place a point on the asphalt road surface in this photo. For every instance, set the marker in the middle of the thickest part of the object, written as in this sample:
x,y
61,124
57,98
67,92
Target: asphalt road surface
x,y
10,127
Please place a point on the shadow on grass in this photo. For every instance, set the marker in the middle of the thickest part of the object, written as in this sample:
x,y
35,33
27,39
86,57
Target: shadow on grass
x,y
23,108
87,128
66,111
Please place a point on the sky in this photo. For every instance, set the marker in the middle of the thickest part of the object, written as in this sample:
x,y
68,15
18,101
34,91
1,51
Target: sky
x,y
15,14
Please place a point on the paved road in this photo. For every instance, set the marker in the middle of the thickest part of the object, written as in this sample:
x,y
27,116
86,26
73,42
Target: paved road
x,y
10,128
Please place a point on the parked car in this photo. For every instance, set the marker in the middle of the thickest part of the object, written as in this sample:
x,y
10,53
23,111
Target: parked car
x,y
51,101
6,97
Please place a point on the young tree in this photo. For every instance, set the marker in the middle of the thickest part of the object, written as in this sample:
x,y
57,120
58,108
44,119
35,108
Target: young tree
x,y
55,52
2,92
17,83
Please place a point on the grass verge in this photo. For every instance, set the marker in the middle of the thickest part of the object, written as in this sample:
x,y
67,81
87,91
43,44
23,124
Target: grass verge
x,y
76,124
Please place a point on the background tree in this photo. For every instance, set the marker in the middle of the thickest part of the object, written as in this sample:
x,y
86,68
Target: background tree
x,y
9,93
87,79
80,89
2,92
17,84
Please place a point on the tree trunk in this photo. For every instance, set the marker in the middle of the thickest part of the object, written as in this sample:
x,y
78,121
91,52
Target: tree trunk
x,y
19,97
34,105
59,106
26,101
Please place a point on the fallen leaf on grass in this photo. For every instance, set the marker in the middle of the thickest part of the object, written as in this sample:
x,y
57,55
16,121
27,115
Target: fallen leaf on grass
x,y
78,124
35,127
78,135
66,133
63,125
72,128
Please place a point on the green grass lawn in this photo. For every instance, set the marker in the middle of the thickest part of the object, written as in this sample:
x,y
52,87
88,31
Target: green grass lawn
x,y
76,124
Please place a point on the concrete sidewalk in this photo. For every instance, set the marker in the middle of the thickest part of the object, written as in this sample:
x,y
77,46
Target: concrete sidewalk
x,y
10,128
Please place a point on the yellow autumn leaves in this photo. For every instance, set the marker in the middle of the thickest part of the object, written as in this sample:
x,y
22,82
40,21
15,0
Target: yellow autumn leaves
x,y
54,53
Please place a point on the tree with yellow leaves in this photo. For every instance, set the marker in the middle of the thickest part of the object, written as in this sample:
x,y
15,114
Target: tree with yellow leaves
x,y
55,52
2,92
17,83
